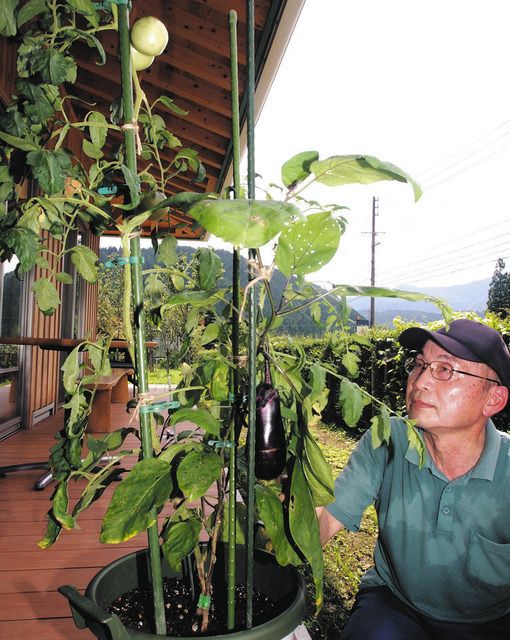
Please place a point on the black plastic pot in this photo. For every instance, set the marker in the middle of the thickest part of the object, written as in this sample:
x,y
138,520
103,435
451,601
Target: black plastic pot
x,y
284,585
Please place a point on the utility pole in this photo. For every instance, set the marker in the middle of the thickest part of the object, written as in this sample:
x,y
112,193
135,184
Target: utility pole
x,y
375,208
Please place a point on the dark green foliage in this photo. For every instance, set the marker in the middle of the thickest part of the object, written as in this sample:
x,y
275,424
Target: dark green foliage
x,y
299,323
381,370
11,305
499,291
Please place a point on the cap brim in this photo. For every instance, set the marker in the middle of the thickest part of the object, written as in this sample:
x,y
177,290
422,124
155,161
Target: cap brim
x,y
416,337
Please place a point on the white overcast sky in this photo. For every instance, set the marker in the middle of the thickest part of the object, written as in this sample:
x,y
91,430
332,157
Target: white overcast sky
x,y
421,84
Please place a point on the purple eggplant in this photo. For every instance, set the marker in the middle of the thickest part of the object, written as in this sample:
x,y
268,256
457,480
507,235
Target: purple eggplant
x,y
270,449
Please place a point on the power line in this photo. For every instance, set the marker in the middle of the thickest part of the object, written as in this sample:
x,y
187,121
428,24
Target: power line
x,y
448,258
480,264
474,164
442,268
465,148
447,242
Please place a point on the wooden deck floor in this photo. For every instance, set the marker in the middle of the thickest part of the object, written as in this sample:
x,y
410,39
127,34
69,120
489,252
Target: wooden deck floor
x,y
30,606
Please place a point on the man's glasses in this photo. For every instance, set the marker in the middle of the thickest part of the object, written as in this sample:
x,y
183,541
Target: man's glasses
x,y
438,370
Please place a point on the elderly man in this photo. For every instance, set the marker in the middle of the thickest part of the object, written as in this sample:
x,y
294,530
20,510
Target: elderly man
x,y
442,559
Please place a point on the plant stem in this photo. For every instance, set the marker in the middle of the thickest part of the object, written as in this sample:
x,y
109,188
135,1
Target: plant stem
x,y
139,319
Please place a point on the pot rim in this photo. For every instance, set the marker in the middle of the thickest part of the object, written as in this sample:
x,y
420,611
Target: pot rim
x,y
275,629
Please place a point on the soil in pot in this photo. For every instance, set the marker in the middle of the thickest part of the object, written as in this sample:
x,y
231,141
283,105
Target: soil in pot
x,y
135,609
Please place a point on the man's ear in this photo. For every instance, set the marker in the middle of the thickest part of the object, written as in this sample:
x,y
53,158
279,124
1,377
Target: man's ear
x,y
497,401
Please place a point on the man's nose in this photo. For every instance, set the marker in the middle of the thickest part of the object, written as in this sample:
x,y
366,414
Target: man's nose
x,y
423,378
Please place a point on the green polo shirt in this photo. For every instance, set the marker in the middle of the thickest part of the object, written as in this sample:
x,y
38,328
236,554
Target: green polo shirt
x,y
443,547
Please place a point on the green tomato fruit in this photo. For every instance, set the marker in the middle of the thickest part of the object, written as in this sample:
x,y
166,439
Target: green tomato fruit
x,y
140,61
151,199
149,36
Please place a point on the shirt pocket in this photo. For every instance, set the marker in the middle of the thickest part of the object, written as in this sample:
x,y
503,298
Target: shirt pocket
x,y
488,564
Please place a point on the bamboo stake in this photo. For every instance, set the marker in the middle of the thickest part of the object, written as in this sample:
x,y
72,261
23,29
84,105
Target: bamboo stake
x,y
252,305
231,604
139,315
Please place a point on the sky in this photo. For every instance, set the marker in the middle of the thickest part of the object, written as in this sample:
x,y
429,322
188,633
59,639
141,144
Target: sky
x,y
423,85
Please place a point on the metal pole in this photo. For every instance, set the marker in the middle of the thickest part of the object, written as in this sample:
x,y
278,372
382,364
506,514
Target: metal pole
x,y
372,268
252,305
234,82
139,315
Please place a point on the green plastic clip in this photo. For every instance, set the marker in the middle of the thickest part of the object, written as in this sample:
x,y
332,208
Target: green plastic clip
x,y
221,444
204,602
119,261
157,407
108,191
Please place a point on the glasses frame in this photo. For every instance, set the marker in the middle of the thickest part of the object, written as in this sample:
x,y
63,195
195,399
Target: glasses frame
x,y
411,362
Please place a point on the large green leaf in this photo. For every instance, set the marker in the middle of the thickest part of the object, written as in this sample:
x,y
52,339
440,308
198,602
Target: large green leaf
x,y
200,298
356,169
307,245
7,17
380,427
53,531
307,538
199,417
210,333
180,540
271,512
50,169
90,150
220,382
54,67
71,371
18,143
210,268
46,295
351,402
85,261
318,472
101,444
167,253
60,504
343,290
134,503
350,361
244,223
240,526
29,10
97,128
23,242
197,472
133,182
170,105
297,168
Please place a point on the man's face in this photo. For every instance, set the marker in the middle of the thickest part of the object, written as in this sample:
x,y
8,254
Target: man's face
x,y
455,404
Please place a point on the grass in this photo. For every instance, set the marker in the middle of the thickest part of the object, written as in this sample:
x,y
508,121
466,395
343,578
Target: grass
x,y
348,555
159,375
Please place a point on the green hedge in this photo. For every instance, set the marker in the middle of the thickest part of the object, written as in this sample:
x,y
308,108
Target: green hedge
x,y
381,366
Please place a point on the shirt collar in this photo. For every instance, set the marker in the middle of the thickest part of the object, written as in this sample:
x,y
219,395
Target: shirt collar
x,y
486,465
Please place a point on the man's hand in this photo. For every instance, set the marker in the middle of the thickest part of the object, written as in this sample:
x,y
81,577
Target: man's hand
x,y
328,524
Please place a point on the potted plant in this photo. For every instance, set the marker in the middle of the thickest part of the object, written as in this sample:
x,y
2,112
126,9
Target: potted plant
x,y
244,381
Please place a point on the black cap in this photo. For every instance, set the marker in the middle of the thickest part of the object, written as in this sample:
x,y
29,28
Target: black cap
x,y
468,340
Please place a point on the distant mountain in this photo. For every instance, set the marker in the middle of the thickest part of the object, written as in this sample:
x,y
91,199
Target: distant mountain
x,y
298,323
471,296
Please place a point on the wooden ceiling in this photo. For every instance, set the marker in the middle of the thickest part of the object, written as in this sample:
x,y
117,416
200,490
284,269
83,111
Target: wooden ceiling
x,y
194,70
